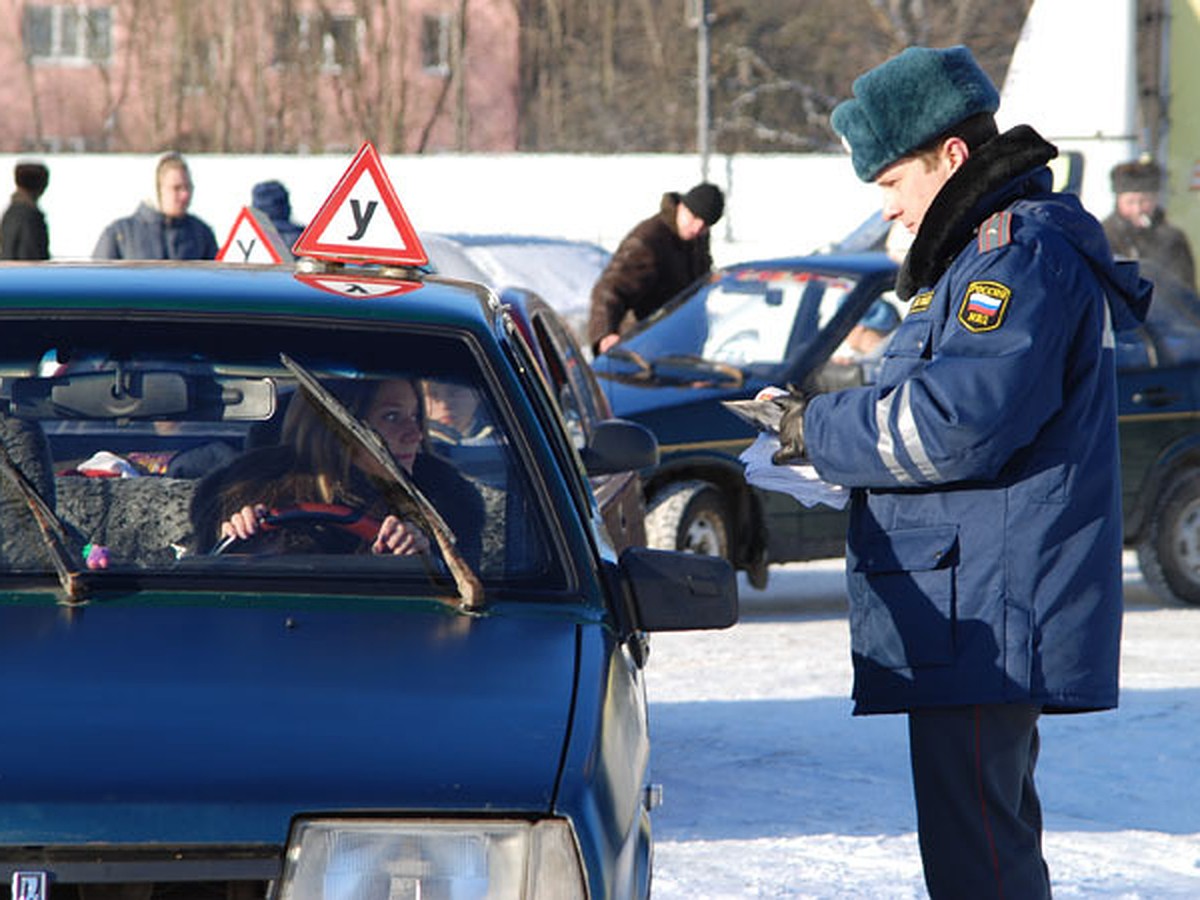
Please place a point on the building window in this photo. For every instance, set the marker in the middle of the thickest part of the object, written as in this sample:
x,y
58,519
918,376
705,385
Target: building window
x,y
67,33
328,41
435,43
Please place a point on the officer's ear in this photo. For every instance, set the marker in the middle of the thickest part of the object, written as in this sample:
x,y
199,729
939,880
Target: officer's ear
x,y
955,151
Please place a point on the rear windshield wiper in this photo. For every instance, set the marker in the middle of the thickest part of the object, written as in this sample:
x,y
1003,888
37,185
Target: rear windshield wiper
x,y
470,588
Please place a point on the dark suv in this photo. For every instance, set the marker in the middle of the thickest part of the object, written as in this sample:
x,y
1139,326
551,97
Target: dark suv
x,y
793,320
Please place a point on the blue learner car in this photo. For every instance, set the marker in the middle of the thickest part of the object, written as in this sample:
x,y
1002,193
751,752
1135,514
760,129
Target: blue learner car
x,y
268,633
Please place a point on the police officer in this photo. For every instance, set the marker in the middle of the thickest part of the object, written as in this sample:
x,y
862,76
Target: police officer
x,y
984,547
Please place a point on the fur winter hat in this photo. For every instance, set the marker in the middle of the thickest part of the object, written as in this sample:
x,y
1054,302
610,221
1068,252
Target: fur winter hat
x,y
706,201
903,104
1142,176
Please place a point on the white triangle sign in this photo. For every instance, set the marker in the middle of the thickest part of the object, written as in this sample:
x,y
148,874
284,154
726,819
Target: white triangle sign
x,y
253,239
362,220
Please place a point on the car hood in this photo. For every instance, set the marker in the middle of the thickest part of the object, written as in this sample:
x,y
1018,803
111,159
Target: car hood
x,y
204,723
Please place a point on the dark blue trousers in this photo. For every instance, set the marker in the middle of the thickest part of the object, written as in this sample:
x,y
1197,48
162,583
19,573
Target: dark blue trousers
x,y
979,821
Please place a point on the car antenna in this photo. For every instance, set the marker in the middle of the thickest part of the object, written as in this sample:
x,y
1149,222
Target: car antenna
x,y
470,588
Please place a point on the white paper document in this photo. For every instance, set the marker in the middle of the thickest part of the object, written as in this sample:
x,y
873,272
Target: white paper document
x,y
800,481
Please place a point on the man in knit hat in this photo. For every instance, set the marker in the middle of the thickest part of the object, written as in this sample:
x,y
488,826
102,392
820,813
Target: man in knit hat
x,y
660,257
983,554
1138,227
23,232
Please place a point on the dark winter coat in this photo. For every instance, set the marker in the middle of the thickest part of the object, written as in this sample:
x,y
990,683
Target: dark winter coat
x,y
1158,243
148,234
984,549
652,264
23,232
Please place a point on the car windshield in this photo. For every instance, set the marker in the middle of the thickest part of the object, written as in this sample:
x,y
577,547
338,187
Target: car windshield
x,y
140,440
748,317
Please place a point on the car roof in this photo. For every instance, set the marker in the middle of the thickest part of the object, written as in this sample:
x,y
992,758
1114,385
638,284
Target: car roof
x,y
857,263
348,293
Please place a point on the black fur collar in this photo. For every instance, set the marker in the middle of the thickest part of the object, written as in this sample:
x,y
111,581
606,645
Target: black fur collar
x,y
972,194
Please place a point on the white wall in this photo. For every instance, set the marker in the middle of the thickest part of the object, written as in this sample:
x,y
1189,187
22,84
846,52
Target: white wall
x,y
777,204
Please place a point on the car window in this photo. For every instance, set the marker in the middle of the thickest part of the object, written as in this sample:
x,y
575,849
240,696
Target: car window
x,y
143,441
747,317
1170,335
570,377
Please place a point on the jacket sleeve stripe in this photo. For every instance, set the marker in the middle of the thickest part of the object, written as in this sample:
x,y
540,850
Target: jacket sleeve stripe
x,y
910,437
884,446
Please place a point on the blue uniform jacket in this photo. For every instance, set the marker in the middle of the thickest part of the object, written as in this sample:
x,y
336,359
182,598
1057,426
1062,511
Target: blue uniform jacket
x,y
984,549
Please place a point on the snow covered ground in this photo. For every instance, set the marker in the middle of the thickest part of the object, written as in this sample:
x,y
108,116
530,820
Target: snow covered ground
x,y
772,789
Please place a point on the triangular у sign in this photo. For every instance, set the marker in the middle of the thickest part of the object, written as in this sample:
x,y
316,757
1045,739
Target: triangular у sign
x,y
362,220
253,239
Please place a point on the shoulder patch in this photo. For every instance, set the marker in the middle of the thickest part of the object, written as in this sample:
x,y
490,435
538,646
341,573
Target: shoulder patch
x,y
920,302
984,306
996,231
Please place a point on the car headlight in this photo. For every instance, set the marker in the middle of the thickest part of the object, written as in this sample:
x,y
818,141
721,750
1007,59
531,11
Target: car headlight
x,y
357,859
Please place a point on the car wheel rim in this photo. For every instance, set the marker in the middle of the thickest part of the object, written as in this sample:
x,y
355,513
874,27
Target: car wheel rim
x,y
702,536
1187,544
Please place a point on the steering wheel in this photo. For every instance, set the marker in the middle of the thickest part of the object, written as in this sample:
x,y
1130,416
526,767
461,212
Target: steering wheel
x,y
302,516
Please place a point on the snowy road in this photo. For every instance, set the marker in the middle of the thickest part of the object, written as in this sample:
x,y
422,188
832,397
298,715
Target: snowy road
x,y
772,789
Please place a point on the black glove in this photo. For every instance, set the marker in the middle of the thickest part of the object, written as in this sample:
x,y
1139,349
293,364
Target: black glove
x,y
791,428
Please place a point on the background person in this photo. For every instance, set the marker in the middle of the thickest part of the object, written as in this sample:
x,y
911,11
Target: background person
x,y
23,231
984,549
163,229
1138,228
273,199
657,259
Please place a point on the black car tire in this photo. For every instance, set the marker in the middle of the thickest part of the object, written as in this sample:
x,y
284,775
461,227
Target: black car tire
x,y
1169,552
691,516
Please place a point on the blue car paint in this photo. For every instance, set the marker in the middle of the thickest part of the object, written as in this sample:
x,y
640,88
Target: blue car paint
x,y
218,721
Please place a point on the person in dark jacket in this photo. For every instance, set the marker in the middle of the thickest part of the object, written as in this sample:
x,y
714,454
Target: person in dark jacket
x,y
1138,226
164,229
659,258
272,198
23,232
984,548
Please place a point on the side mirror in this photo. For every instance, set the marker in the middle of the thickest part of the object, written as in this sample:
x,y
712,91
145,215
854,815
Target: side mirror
x,y
675,591
618,445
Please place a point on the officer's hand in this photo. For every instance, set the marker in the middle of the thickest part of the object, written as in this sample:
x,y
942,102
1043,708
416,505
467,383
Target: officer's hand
x,y
791,429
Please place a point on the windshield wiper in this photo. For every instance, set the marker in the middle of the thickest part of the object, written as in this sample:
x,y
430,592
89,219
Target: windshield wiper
x,y
658,368
54,534
646,370
694,361
470,588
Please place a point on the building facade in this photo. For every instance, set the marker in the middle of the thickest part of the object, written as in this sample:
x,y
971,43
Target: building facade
x,y
271,76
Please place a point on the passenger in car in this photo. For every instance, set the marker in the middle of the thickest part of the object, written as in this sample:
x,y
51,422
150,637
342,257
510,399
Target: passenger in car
x,y
455,413
315,463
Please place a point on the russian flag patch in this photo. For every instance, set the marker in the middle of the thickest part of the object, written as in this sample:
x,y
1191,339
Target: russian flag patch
x,y
984,305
